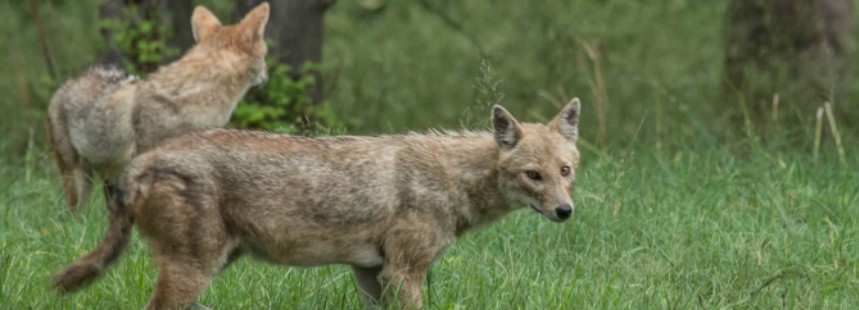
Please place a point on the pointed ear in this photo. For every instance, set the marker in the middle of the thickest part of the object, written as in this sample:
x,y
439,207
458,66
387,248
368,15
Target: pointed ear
x,y
254,22
204,23
567,121
507,132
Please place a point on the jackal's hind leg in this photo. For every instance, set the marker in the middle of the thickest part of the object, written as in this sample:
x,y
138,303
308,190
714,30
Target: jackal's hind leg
x,y
82,177
187,234
74,171
180,282
77,184
64,165
70,188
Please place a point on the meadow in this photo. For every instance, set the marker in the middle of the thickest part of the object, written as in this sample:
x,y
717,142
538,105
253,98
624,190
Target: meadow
x,y
696,228
676,207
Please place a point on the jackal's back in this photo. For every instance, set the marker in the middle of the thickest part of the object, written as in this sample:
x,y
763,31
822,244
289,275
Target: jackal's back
x,y
274,189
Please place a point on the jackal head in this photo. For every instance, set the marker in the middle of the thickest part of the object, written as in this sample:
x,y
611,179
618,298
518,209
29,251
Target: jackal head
x,y
537,163
242,44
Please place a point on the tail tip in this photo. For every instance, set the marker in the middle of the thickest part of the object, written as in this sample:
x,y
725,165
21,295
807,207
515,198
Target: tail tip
x,y
74,277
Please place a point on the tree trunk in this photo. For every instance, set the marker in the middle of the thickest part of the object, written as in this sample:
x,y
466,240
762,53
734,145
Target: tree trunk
x,y
178,15
800,50
295,28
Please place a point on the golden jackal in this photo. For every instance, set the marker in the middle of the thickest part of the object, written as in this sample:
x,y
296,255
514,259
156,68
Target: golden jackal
x,y
99,121
387,206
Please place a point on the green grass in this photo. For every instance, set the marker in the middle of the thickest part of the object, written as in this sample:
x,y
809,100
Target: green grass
x,y
695,228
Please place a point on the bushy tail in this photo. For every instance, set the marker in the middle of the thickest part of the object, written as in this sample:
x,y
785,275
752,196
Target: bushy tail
x,y
82,272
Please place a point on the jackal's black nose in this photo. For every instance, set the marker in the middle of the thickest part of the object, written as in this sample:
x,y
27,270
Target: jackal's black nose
x,y
564,211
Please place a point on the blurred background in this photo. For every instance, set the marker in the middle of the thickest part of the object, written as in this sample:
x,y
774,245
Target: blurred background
x,y
662,74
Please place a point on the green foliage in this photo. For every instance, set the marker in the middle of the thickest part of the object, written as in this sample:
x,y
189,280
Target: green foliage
x,y
26,84
284,104
42,90
141,40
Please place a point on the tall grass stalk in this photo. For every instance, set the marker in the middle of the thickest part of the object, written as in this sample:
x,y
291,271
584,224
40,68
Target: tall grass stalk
x,y
835,134
747,121
818,132
597,85
487,92
774,114
30,156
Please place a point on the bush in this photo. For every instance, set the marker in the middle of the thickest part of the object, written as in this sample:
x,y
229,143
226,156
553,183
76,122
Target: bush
x,y
284,105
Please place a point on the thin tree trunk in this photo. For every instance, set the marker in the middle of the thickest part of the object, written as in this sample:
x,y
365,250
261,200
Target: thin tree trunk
x,y
178,15
43,42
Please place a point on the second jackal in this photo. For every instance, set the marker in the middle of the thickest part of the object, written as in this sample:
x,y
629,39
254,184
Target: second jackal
x,y
99,121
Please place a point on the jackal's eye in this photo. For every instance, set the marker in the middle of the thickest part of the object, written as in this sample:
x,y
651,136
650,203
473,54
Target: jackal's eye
x,y
533,175
565,170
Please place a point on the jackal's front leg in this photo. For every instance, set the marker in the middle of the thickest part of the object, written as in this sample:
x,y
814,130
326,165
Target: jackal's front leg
x,y
403,286
411,246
